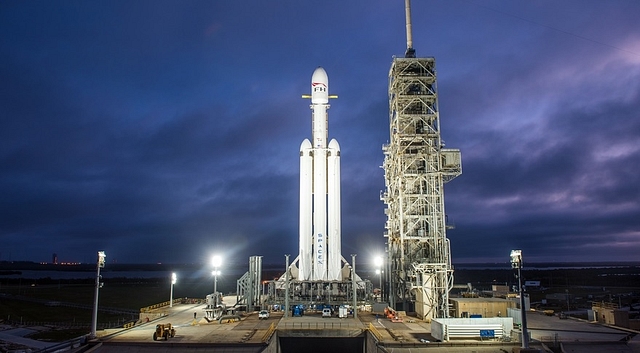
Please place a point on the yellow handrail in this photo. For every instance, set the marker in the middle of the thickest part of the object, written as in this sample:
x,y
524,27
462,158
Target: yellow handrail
x,y
375,332
175,301
269,332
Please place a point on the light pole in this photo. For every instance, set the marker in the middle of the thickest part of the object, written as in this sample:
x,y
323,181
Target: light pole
x,y
215,274
286,287
379,262
354,285
173,281
216,261
516,262
379,273
94,318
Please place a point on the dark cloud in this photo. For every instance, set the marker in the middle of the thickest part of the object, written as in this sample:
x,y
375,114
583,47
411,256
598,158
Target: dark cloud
x,y
165,132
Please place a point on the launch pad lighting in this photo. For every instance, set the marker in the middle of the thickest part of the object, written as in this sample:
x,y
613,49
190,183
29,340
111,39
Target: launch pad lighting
x,y
516,263
94,318
174,279
216,262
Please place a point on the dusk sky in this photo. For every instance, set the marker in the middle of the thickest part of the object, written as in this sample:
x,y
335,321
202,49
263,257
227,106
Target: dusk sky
x,y
167,131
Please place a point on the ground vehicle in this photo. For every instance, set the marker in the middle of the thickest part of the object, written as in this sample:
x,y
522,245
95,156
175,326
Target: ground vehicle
x,y
263,314
298,310
342,311
326,312
562,315
163,331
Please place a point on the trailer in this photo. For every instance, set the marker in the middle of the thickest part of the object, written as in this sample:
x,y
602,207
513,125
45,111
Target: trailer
x,y
445,329
342,311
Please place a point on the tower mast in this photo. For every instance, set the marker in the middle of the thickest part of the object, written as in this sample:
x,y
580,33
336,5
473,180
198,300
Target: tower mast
x,y
410,53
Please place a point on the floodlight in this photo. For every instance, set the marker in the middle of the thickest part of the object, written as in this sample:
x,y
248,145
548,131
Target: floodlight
x,y
101,258
174,278
516,258
216,261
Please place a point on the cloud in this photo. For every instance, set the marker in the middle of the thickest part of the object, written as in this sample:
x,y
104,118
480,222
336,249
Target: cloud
x,y
169,132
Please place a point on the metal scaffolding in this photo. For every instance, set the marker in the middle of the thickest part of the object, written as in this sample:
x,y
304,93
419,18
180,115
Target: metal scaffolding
x,y
248,287
416,165
288,291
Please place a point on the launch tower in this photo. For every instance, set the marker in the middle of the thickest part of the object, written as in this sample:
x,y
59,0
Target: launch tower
x,y
416,166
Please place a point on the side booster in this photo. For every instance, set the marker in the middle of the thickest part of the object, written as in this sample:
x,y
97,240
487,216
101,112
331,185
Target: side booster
x,y
320,252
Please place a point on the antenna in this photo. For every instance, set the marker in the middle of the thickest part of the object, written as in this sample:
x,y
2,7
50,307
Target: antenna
x,y
410,53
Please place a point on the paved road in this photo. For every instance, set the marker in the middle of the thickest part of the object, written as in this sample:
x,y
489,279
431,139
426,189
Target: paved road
x,y
198,331
551,328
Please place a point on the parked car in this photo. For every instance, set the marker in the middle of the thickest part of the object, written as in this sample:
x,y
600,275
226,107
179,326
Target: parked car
x,y
263,314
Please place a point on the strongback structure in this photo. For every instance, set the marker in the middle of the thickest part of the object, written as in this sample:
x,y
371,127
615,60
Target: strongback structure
x,y
416,166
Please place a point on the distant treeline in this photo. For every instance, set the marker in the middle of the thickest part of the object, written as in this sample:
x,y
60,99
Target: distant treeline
x,y
558,277
605,277
48,281
621,274
35,266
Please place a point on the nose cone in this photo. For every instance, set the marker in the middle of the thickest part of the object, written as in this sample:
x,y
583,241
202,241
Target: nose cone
x,y
319,86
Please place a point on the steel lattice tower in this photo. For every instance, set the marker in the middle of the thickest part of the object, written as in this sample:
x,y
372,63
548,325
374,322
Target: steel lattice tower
x,y
416,166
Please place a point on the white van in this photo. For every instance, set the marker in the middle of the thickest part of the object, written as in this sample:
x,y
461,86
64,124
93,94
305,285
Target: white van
x,y
326,312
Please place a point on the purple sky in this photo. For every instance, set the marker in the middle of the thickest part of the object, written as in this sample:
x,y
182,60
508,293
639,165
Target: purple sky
x,y
165,131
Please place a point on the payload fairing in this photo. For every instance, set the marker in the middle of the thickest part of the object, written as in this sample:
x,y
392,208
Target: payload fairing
x,y
320,230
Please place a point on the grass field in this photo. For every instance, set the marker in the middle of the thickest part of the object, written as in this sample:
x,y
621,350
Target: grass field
x,y
124,294
30,303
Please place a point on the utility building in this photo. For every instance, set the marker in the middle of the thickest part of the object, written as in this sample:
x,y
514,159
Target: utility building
x,y
416,166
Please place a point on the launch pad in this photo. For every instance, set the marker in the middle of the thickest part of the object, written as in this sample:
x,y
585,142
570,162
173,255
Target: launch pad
x,y
252,334
418,269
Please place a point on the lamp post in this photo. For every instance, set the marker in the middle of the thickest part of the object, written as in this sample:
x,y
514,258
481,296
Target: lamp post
x,y
173,281
379,262
94,317
379,273
286,287
516,263
215,274
216,261
354,285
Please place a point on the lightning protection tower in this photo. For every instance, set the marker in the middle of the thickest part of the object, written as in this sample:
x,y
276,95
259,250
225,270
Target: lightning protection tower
x,y
416,166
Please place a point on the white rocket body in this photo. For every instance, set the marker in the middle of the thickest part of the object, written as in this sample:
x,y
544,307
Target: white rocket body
x,y
320,229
